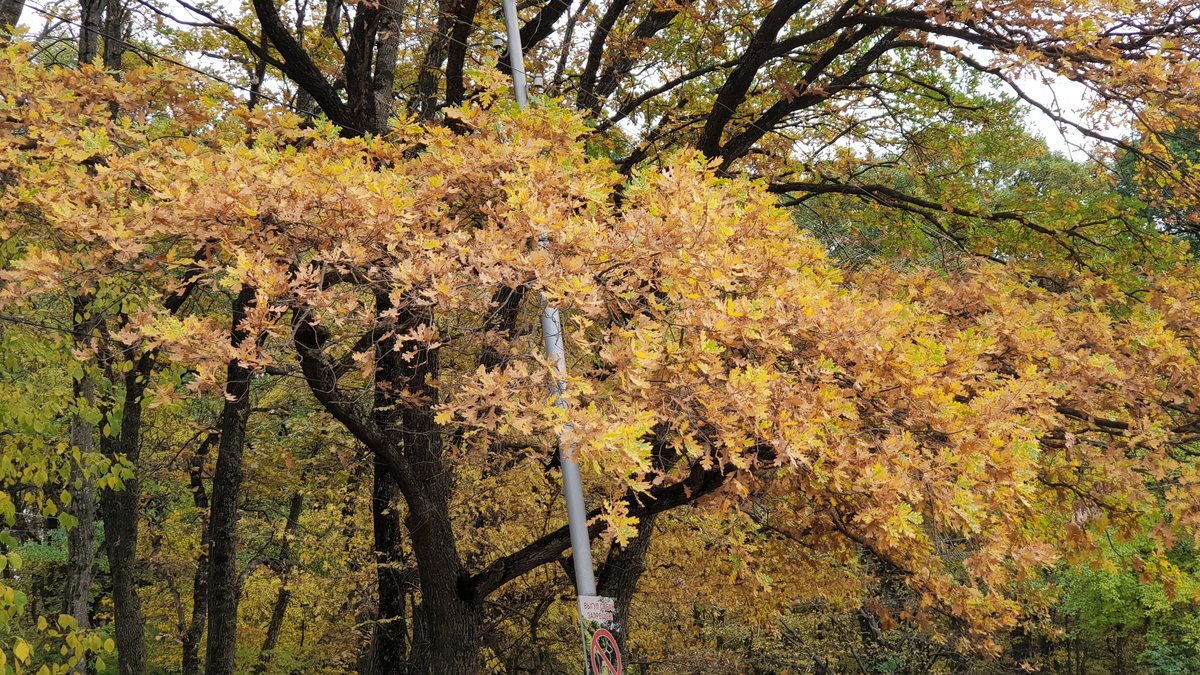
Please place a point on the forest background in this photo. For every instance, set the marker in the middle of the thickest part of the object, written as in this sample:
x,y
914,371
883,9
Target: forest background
x,y
863,377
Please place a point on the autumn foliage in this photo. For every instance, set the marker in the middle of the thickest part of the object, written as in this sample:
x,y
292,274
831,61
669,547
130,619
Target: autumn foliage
x,y
964,431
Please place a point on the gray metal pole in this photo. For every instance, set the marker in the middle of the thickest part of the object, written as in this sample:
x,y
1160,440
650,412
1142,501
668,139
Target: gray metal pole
x,y
516,54
552,335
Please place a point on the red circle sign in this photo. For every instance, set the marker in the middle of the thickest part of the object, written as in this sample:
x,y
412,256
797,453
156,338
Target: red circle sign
x,y
600,652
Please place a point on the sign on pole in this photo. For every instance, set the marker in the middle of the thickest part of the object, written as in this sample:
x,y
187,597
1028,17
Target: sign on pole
x,y
598,620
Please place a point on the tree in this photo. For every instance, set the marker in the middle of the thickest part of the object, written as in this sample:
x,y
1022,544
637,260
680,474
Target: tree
x,y
963,432
875,116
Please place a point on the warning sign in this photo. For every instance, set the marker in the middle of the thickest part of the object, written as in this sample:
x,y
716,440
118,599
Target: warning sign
x,y
598,619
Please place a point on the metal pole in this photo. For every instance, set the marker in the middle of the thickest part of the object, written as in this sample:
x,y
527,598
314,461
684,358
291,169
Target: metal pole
x,y
552,335
516,54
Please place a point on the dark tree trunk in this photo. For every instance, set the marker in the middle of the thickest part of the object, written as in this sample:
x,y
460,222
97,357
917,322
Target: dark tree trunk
x,y
260,72
285,592
389,639
456,54
120,509
223,587
451,621
587,98
386,52
424,104
621,572
102,19
81,538
305,103
623,568
195,631
10,14
114,33
273,629
450,617
91,18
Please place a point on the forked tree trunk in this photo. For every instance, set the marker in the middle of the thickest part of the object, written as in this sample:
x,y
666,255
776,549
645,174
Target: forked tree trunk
x,y
120,508
91,18
451,620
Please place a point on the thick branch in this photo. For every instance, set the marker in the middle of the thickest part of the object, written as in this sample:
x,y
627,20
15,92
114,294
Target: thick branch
x,y
537,29
299,66
696,484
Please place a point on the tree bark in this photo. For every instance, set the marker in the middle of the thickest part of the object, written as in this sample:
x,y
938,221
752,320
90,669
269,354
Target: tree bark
x,y
424,103
452,620
91,19
285,592
114,34
389,639
624,566
456,52
223,587
10,14
120,509
191,639
622,570
81,538
448,617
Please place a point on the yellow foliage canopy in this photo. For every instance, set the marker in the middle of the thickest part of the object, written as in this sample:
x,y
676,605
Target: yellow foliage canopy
x,y
968,430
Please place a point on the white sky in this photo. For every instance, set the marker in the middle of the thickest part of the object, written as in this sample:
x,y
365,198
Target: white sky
x,y
1064,94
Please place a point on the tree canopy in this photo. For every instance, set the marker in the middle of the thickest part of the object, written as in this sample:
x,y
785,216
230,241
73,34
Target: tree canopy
x,y
845,343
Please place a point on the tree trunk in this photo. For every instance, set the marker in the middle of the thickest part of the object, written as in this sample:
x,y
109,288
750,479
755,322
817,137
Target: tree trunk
x,y
101,18
403,434
10,14
223,590
451,622
451,619
622,570
120,509
424,103
285,593
91,19
114,34
389,639
191,639
81,537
